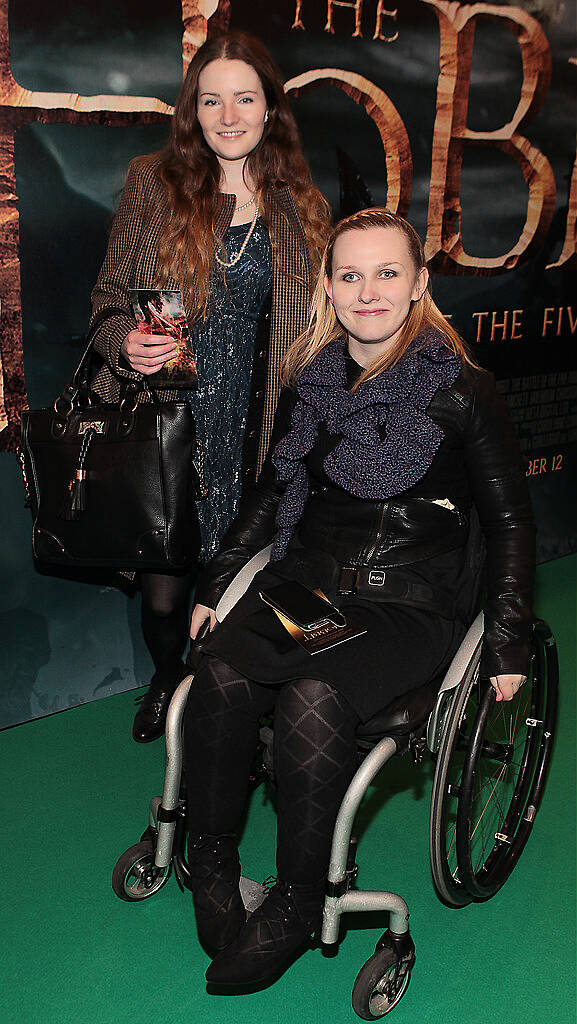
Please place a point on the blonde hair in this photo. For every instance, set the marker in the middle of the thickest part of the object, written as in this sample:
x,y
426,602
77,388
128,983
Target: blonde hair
x,y
323,326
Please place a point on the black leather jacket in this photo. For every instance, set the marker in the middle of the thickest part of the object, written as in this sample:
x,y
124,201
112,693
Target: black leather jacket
x,y
478,463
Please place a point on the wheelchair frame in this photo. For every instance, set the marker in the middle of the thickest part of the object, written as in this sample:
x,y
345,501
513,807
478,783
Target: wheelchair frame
x,y
384,977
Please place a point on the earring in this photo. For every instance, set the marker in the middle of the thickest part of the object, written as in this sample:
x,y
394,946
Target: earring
x,y
265,116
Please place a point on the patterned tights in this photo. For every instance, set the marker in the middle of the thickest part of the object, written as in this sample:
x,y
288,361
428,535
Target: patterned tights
x,y
314,757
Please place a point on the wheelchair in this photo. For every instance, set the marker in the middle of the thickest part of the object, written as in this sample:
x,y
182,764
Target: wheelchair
x,y
491,767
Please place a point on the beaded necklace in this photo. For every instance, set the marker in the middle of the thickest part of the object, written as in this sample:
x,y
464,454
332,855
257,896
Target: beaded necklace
x,y
244,206
240,253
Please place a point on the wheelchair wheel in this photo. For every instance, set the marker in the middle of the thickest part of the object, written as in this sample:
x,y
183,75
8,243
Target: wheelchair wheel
x,y
443,820
494,780
381,983
135,875
505,773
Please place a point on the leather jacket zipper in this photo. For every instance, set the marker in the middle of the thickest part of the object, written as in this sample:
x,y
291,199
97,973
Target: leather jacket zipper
x,y
370,551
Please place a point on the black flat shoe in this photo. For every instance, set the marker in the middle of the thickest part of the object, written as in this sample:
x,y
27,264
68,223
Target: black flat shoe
x,y
272,938
150,719
215,875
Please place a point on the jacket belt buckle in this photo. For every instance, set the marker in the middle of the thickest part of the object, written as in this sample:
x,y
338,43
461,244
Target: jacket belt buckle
x,y
349,580
376,578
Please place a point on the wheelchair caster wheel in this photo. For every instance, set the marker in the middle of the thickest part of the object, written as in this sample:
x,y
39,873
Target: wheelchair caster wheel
x,y
135,875
381,983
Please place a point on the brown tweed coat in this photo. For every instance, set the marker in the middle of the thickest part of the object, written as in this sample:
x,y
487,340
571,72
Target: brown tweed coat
x,y
132,262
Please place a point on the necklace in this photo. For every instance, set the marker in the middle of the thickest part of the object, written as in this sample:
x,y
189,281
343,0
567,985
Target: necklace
x,y
235,259
244,206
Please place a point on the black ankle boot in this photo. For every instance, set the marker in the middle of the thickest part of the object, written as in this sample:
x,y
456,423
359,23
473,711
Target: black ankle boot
x,y
215,875
150,719
278,931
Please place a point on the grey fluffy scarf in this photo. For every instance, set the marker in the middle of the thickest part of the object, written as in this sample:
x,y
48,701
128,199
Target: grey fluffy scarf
x,y
364,463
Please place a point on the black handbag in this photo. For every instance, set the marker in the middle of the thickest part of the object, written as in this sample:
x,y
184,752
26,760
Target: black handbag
x,y
112,485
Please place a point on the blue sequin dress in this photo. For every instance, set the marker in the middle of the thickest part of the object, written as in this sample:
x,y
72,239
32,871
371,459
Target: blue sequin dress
x,y
224,349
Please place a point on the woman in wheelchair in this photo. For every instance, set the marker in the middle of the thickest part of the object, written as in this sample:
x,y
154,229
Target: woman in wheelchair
x,y
390,447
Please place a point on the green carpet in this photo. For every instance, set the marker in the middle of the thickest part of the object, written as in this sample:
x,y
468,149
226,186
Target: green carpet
x,y
76,790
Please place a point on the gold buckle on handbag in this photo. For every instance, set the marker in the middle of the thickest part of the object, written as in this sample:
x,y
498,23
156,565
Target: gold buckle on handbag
x,y
97,426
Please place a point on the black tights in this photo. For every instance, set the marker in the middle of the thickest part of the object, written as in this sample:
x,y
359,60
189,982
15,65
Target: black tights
x,y
314,758
165,610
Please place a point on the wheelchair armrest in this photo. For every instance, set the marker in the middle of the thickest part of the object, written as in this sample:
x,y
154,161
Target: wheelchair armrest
x,y
467,654
241,582
467,648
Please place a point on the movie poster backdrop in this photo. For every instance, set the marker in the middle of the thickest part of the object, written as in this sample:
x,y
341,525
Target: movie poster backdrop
x,y
459,116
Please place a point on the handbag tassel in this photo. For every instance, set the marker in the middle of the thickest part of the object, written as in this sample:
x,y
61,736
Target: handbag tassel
x,y
76,500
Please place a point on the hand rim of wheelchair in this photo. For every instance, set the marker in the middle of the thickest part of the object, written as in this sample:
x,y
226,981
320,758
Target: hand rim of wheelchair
x,y
460,872
135,876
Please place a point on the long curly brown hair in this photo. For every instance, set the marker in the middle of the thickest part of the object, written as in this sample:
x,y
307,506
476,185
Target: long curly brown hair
x,y
192,174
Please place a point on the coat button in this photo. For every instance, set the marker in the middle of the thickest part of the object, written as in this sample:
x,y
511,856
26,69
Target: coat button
x,y
259,394
248,472
262,354
253,433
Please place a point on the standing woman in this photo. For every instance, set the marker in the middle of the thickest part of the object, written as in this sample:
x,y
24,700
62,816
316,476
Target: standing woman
x,y
229,215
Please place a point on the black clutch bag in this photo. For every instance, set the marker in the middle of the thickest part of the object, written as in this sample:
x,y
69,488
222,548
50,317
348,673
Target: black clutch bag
x,y
112,486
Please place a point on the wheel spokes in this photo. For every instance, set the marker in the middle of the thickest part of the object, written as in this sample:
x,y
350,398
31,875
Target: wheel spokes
x,y
497,794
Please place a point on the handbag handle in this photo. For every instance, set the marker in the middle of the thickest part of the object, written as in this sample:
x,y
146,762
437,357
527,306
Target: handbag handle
x,y
79,382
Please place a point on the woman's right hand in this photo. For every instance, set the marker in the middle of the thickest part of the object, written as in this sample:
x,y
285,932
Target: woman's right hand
x,y
147,353
200,614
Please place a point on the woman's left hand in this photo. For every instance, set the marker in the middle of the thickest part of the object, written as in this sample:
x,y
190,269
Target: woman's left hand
x,y
201,614
506,687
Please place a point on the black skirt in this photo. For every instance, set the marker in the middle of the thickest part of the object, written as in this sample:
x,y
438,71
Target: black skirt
x,y
404,647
